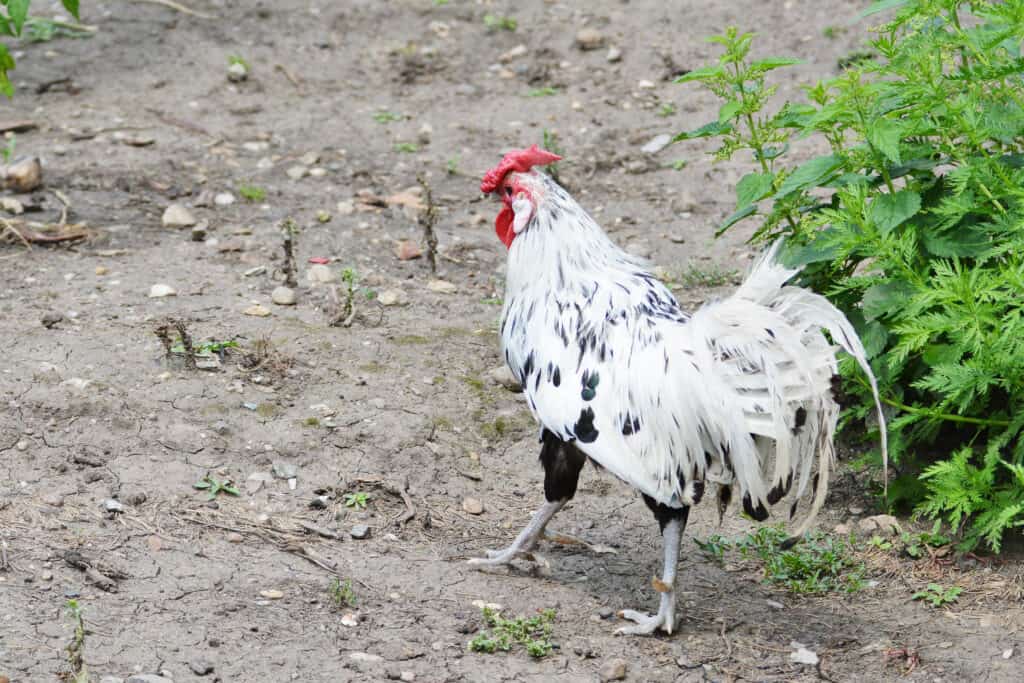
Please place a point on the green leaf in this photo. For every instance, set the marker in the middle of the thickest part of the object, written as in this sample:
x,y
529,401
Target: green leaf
x,y
72,7
769,63
17,10
810,174
6,64
729,110
735,218
702,74
707,130
821,249
874,337
881,6
957,242
890,210
885,136
884,298
753,187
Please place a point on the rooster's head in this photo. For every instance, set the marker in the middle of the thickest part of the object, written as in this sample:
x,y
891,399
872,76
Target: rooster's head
x,y
518,188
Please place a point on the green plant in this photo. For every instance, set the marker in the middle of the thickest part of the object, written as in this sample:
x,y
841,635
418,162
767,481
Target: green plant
x,y
407,147
252,193
494,22
939,596
546,91
819,563
452,166
880,543
43,30
666,109
357,500
8,151
214,486
714,547
341,592
235,59
831,32
549,141
913,224
13,17
76,648
711,275
387,116
212,347
534,634
679,164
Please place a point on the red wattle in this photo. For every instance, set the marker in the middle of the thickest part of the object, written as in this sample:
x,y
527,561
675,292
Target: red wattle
x,y
503,226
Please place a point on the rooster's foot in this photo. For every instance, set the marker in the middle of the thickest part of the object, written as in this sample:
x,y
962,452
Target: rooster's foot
x,y
647,624
525,542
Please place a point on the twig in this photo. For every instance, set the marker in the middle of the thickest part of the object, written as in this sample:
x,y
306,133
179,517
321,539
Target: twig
x,y
320,531
7,226
292,78
180,123
67,206
427,219
177,7
288,231
4,564
78,561
186,341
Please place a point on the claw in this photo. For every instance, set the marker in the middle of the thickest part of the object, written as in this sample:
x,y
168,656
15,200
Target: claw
x,y
646,624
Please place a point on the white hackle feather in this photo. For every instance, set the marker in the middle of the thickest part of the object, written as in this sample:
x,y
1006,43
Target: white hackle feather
x,y
666,401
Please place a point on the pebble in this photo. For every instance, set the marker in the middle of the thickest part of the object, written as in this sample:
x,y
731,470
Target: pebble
x,y
271,594
323,216
407,676
297,172
101,270
646,85
46,576
612,670
103,679
237,72
359,531
804,656
224,199
393,297
148,678
200,667
54,499
515,53
12,205
257,310
349,619
614,54
235,537
177,216
22,176
842,529
886,524
589,39
285,470
111,505
321,273
283,296
473,506
159,291
198,233
503,375
407,250
51,318
255,270
424,134
657,143
365,657
442,286
346,208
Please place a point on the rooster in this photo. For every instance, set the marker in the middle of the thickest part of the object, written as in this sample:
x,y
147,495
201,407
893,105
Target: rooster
x,y
738,394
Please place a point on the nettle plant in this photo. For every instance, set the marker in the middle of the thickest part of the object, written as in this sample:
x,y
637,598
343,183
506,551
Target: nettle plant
x,y
13,16
913,224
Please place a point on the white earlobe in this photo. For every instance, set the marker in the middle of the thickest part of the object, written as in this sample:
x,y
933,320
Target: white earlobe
x,y
523,210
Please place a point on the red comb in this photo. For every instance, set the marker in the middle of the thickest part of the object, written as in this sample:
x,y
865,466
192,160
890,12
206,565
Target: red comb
x,y
519,160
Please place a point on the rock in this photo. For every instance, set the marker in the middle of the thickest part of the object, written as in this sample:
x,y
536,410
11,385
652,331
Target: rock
x,y
804,656
589,39
148,678
473,506
138,140
442,287
320,274
349,619
238,72
612,670
645,85
254,271
515,53
614,54
22,445
235,537
407,250
407,676
285,470
111,505
177,216
503,375
224,199
346,208
424,134
271,594
257,310
283,296
297,172
200,667
54,499
159,291
103,679
198,233
393,297
359,531
323,216
365,657
22,176
50,319
885,524
842,529
11,205
657,143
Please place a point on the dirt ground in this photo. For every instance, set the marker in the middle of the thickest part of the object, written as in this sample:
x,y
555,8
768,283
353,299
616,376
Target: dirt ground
x,y
399,404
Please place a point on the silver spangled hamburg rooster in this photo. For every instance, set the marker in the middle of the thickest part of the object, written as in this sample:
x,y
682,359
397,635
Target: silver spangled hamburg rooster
x,y
739,394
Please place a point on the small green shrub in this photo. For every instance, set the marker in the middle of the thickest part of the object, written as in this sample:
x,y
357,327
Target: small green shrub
x,y
13,18
913,224
534,634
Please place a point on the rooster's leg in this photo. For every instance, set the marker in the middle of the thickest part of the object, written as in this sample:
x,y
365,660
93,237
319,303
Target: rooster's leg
x,y
562,464
673,522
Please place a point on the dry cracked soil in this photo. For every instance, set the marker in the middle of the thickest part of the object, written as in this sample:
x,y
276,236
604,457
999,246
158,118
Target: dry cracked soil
x,y
368,408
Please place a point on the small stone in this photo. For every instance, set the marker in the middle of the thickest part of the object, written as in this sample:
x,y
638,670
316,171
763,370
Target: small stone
x,y
50,319
515,53
148,678
320,274
11,205
238,72
46,576
774,605
198,233
1007,653
645,85
310,158
393,297
22,176
473,506
54,499
111,505
614,54
612,670
365,657
284,470
101,270
359,531
589,39
323,216
442,287
677,238
503,375
424,134
407,250
271,594
886,524
177,216
224,199
138,140
804,656
200,667
283,296
842,529
235,537
257,310
254,271
346,208
407,676
856,510
159,291
657,143
297,172
349,619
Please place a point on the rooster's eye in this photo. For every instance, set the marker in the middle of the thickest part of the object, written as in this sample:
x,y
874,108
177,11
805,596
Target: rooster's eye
x,y
508,191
